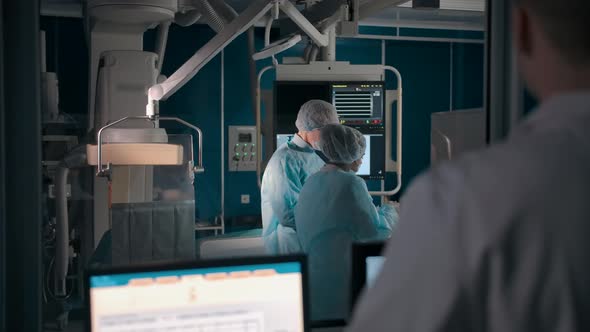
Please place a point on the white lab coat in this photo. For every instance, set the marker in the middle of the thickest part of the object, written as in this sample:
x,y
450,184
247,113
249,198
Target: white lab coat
x,y
496,241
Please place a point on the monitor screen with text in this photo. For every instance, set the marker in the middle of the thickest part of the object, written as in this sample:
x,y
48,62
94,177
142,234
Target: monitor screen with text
x,y
260,297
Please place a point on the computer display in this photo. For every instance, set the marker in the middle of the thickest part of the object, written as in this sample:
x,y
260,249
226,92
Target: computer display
x,y
373,267
359,104
373,166
365,168
367,261
267,295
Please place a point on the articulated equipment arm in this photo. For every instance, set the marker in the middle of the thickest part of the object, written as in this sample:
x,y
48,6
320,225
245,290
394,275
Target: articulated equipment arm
x,y
231,31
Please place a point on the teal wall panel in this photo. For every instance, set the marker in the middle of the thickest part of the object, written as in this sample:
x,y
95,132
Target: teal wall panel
x,y
198,102
468,73
238,112
425,71
359,51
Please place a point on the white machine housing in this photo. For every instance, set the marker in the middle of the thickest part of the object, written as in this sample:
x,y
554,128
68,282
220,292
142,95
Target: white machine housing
x,y
339,71
123,79
120,74
329,71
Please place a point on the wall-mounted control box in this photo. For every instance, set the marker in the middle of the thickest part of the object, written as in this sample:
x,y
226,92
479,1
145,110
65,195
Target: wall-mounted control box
x,y
242,148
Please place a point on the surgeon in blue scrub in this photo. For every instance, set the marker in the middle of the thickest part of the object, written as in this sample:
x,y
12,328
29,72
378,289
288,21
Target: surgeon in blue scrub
x,y
335,210
287,172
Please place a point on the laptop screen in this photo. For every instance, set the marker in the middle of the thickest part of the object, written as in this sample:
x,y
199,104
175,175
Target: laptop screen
x,y
257,297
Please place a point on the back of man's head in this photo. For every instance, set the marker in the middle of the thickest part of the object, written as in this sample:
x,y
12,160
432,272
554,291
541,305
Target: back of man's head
x,y
566,23
315,114
552,40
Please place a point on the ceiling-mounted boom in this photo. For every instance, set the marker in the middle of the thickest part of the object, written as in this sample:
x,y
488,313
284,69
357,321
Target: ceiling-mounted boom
x,y
245,20
190,68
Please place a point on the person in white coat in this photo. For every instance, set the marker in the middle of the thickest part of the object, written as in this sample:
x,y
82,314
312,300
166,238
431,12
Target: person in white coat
x,y
498,240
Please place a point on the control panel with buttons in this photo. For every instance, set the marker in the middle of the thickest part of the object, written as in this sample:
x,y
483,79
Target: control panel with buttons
x,y
242,148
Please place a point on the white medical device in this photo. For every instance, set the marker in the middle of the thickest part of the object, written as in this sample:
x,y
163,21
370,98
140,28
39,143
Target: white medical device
x,y
326,71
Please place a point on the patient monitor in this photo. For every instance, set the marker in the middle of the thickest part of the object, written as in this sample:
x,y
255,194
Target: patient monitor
x,y
360,105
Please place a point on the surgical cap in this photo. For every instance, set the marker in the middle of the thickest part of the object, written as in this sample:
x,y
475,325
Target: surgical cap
x,y
315,114
342,144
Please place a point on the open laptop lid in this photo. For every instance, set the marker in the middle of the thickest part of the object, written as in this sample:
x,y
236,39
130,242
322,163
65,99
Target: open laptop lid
x,y
366,264
245,294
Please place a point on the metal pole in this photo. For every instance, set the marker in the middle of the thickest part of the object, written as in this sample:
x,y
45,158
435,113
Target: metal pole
x,y
222,120
161,41
398,161
451,45
22,165
329,52
43,52
259,126
503,84
2,181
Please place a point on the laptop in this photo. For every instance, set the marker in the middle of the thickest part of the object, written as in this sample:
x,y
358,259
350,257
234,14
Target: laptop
x,y
245,294
367,260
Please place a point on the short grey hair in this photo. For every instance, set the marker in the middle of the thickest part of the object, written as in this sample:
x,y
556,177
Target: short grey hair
x,y
566,23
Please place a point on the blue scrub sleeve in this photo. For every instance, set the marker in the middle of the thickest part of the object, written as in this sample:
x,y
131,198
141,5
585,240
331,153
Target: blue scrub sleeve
x,y
388,214
380,222
286,193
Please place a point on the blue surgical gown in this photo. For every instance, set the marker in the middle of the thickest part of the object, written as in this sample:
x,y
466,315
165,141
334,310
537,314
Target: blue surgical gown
x,y
285,174
335,210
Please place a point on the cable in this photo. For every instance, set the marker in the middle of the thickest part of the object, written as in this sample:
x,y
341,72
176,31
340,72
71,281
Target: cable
x,y
48,284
